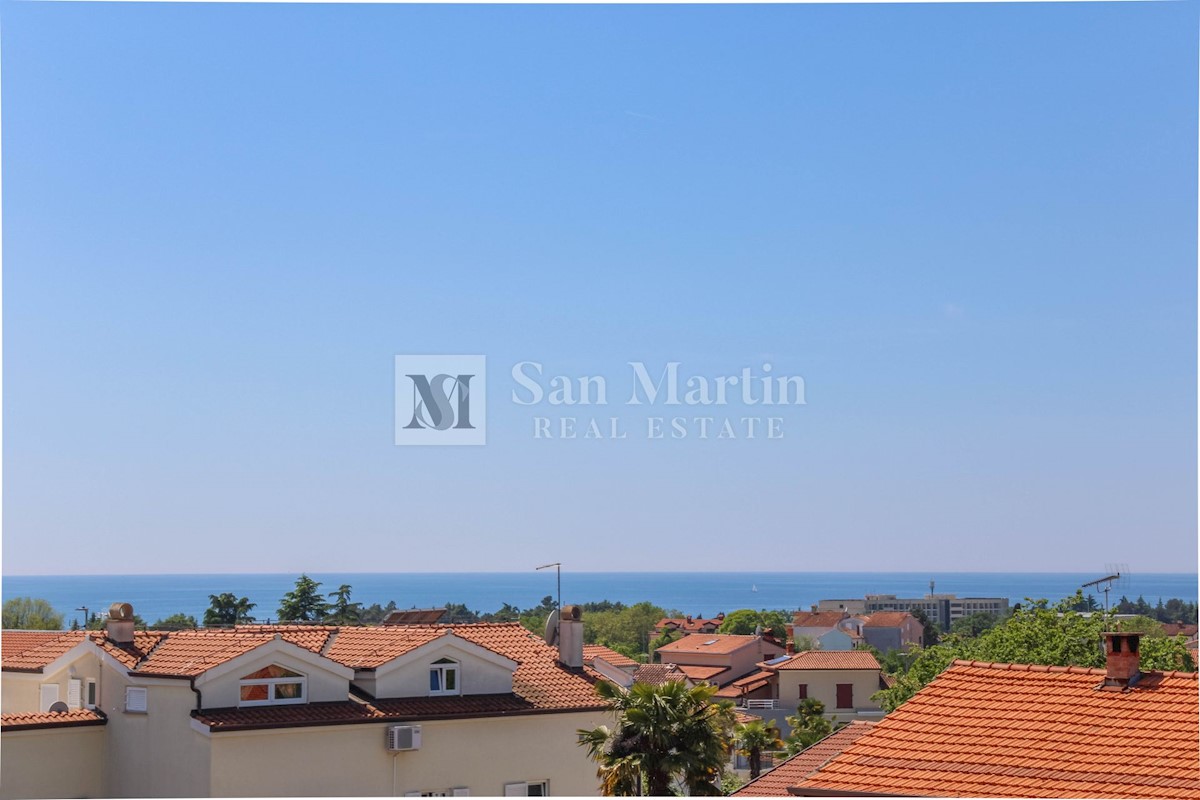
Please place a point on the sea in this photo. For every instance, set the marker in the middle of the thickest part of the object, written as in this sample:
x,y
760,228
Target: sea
x,y
696,593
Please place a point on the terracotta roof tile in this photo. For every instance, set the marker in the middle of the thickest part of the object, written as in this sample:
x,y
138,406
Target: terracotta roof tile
x,y
709,643
817,619
887,619
790,772
590,651
1005,730
702,673
658,674
829,659
67,719
29,651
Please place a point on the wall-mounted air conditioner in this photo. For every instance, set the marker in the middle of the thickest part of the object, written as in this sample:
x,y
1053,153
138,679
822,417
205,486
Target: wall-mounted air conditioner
x,y
403,737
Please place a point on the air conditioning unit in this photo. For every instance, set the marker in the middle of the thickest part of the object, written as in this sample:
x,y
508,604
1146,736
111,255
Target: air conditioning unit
x,y
403,737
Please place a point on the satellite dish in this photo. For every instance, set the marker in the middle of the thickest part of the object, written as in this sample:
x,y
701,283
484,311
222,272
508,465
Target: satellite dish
x,y
59,707
552,627
120,611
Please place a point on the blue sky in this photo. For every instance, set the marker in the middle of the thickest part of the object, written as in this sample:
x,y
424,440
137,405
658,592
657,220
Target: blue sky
x,y
971,229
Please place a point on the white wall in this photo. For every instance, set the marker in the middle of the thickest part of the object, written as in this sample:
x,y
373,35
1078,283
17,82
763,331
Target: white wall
x,y
475,674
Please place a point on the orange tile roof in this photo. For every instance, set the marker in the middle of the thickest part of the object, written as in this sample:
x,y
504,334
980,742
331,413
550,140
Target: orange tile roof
x,y
1019,730
887,619
29,651
723,643
829,659
754,678
688,625
66,719
658,674
701,673
817,619
590,651
790,772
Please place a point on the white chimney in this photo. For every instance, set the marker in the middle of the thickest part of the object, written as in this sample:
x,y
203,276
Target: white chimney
x,y
119,624
570,637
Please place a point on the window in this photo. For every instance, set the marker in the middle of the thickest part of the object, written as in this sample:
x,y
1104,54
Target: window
x,y
845,695
527,789
443,677
803,691
136,701
273,685
74,693
91,694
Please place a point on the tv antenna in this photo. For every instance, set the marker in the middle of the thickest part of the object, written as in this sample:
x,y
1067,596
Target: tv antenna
x,y
1107,580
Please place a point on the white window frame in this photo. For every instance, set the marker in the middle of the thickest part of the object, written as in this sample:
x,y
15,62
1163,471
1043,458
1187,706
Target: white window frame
x,y
91,693
443,666
271,683
521,788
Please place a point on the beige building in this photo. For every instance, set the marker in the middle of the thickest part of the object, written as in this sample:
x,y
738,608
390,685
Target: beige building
x,y
399,710
717,658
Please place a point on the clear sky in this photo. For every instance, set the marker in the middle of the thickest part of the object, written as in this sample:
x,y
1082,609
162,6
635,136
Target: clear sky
x,y
970,229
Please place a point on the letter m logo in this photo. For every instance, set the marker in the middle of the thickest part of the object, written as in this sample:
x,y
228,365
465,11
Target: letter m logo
x,y
441,400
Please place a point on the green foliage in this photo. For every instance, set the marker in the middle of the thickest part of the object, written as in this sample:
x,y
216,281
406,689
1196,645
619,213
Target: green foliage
x,y
97,622
804,643
31,614
457,612
1174,610
228,609
745,621
930,635
808,725
664,737
534,619
304,603
628,631
1142,624
975,624
666,637
1036,633
341,610
376,613
176,622
731,782
752,738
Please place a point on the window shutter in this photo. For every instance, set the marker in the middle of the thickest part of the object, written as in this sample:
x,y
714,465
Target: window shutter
x,y
135,699
516,790
845,695
74,693
47,696
804,691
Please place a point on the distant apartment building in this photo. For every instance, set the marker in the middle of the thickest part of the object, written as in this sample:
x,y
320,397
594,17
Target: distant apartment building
x,y
941,609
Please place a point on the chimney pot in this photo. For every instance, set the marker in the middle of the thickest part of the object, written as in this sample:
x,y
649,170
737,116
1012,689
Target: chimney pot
x,y
790,647
570,637
1121,657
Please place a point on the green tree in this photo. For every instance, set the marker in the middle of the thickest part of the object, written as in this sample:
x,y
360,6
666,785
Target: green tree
x,y
227,609
975,624
1036,633
664,737
805,643
808,725
929,632
458,612
534,619
304,603
745,621
752,738
342,611
176,622
31,614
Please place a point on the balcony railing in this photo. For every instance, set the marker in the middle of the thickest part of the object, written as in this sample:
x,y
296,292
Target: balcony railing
x,y
760,704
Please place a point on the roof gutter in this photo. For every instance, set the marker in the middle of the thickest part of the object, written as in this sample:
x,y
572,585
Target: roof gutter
x,y
199,697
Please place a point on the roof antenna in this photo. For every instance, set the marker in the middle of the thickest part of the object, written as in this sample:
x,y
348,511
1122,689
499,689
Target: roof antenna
x,y
1107,580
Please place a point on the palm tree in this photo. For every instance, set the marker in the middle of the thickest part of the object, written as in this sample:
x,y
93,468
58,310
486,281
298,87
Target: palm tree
x,y
752,738
664,734
808,725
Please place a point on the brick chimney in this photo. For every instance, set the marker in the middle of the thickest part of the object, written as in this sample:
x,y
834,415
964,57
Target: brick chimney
x,y
790,647
119,625
1121,658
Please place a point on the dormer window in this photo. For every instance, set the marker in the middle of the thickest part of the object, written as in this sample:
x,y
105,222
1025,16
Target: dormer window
x,y
273,685
443,677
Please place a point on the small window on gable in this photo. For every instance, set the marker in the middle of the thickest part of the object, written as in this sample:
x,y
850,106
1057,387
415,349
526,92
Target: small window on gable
x,y
443,677
273,685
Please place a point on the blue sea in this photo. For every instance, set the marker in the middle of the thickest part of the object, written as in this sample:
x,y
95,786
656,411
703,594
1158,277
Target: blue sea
x,y
697,593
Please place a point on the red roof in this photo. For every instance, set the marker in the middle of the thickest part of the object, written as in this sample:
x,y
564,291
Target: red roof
x,y
591,651
701,673
818,619
887,619
829,659
1019,730
29,651
723,643
66,719
688,625
658,674
790,772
